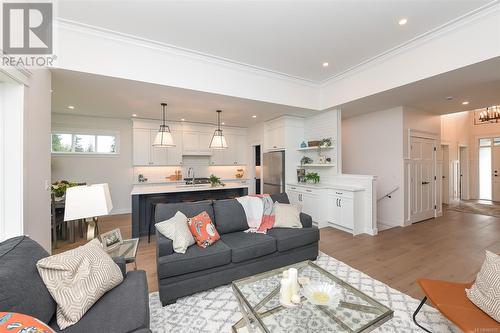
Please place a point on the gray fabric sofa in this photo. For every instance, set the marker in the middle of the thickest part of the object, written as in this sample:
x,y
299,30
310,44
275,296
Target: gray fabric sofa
x,y
125,308
236,255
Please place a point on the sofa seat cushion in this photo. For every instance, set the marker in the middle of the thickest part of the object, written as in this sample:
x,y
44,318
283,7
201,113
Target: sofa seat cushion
x,y
21,288
288,238
195,259
245,245
125,308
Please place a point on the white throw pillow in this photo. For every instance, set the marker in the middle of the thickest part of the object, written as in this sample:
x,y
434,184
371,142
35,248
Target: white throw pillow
x,y
176,229
77,278
485,291
286,216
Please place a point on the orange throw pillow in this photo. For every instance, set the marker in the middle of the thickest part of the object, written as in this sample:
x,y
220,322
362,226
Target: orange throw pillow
x,y
203,230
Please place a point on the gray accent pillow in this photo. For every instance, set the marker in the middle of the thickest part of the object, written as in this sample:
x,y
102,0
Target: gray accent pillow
x,y
229,216
77,278
21,288
485,292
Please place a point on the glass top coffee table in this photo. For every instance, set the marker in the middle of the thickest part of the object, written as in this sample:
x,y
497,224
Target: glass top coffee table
x,y
258,298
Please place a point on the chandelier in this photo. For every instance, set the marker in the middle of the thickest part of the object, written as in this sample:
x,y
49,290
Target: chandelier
x,y
487,115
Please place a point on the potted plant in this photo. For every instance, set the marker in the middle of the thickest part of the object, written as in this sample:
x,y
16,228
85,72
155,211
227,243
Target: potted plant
x,y
59,188
312,177
305,160
325,143
215,181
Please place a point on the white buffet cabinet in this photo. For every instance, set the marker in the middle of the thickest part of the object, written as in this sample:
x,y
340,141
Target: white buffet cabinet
x,y
337,206
191,139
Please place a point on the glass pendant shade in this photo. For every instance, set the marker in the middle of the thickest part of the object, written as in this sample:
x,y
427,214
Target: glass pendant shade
x,y
164,137
218,139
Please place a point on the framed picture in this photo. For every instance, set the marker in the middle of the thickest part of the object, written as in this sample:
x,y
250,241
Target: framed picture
x,y
111,240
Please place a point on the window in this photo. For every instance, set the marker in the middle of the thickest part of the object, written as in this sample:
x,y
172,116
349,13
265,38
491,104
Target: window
x,y
83,143
485,142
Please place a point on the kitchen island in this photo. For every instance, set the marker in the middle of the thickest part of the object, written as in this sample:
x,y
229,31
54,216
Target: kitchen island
x,y
146,196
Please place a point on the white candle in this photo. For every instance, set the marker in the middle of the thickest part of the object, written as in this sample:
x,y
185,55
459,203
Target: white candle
x,y
286,291
292,276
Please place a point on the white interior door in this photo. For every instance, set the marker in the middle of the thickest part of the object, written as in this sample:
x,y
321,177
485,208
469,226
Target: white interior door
x,y
445,177
495,163
422,178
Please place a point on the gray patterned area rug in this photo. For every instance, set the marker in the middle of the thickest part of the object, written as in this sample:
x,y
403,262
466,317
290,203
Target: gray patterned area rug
x,y
216,310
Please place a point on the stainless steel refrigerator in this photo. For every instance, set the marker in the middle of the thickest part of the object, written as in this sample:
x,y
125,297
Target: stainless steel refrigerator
x,y
273,170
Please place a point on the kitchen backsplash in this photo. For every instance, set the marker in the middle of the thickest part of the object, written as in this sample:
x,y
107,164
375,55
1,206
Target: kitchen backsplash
x,y
200,164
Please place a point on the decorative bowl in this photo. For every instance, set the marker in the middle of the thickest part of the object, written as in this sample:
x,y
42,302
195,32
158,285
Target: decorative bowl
x,y
322,294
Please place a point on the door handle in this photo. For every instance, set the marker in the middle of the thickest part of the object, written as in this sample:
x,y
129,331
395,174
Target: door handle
x,y
425,183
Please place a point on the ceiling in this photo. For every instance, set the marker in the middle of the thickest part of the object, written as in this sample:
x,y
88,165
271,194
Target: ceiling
x,y
103,96
290,37
479,84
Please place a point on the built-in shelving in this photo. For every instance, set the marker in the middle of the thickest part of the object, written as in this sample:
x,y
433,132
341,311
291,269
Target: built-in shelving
x,y
316,165
314,148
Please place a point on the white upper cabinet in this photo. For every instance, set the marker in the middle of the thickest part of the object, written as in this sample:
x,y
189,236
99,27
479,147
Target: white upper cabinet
x,y
195,142
142,142
274,135
235,154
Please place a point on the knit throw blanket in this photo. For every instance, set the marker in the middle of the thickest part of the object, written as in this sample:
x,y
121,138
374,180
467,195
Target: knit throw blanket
x,y
259,211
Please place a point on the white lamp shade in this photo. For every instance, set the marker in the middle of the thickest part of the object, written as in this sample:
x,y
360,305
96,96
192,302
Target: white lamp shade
x,y
164,139
87,201
218,141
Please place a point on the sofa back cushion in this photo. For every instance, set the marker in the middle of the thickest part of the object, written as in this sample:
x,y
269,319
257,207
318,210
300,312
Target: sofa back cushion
x,y
165,211
229,216
21,288
281,198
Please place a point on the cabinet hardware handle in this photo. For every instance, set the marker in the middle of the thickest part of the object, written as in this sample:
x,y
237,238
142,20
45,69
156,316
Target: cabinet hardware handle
x,y
293,188
340,202
339,193
425,183
308,191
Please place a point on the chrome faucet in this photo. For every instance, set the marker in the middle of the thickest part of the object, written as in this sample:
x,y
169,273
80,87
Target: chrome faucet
x,y
191,174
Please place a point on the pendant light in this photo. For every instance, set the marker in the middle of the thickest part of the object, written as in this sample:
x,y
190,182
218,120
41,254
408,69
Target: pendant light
x,y
164,137
218,140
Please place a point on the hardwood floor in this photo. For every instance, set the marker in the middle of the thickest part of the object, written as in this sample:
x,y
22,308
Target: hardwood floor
x,y
450,247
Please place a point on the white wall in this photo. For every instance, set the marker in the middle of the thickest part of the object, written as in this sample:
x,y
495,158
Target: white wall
x,y
37,216
116,170
419,120
372,145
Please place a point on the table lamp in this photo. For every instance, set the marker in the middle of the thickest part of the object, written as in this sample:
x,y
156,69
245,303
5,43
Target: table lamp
x,y
83,202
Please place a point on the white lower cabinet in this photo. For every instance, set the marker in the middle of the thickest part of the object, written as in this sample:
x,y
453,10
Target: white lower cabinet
x,y
341,212
309,200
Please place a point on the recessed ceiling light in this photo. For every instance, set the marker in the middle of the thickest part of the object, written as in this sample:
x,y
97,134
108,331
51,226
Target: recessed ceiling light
x,y
223,123
403,21
465,102
449,98
254,116
183,119
325,64
134,114
71,107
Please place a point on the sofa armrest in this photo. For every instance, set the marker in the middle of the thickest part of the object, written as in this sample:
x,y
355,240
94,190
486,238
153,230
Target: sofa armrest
x,y
164,246
306,220
120,261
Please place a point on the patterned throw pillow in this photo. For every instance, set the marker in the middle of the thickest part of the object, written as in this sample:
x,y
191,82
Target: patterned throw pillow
x,y
77,278
18,322
485,292
203,230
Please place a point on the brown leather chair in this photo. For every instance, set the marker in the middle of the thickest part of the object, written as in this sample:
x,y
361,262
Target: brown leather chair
x,y
450,299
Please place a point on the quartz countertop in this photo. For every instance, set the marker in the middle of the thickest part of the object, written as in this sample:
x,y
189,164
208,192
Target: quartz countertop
x,y
173,188
343,187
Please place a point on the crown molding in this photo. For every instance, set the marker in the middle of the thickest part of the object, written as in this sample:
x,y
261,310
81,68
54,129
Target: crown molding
x,y
179,51
454,24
